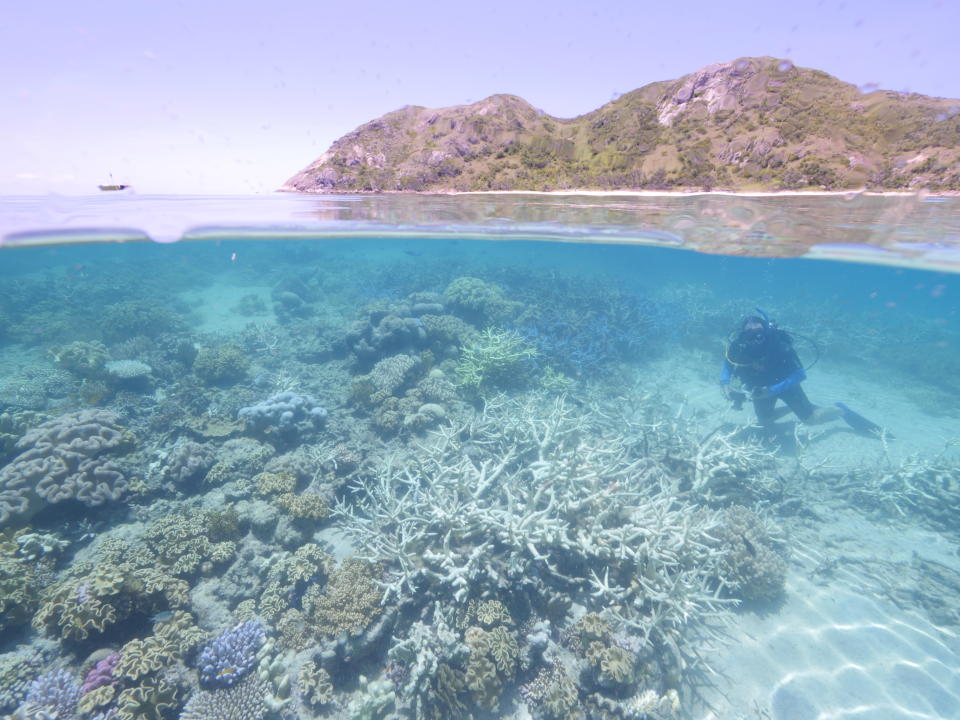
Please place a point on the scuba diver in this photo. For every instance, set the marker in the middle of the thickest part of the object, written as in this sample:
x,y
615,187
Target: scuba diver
x,y
763,358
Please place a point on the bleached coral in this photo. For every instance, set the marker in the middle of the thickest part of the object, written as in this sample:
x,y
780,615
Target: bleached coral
x,y
542,498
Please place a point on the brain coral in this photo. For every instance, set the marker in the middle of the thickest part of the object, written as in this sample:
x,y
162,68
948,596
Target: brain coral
x,y
63,459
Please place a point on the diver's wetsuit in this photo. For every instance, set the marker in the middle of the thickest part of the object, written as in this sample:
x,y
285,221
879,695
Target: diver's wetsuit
x,y
769,362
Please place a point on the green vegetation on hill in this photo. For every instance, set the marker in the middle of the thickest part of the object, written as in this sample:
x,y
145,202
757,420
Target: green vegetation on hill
x,y
756,123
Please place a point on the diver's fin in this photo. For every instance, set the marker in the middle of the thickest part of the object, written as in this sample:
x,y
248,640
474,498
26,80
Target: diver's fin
x,y
859,423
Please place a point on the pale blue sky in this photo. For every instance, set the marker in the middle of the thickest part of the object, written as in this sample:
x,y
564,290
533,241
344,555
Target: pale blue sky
x,y
235,97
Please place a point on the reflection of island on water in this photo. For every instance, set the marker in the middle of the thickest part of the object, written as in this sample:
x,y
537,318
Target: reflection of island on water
x,y
897,229
769,225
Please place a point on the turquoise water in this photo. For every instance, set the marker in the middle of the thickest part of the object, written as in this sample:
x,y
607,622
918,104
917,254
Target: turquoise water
x,y
469,457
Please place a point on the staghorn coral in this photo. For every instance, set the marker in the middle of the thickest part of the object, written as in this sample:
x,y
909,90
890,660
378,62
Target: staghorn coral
x,y
63,459
495,359
538,499
349,602
243,701
231,655
752,567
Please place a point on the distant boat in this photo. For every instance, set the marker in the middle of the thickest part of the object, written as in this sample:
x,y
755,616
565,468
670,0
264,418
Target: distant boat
x,y
113,185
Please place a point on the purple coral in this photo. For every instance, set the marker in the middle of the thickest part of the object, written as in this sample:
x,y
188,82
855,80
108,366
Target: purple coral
x,y
231,655
56,690
101,674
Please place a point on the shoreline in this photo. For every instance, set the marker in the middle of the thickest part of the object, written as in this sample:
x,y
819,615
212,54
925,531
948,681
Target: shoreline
x,y
643,193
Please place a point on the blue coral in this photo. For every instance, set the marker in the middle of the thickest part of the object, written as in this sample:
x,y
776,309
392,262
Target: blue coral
x,y
56,691
231,655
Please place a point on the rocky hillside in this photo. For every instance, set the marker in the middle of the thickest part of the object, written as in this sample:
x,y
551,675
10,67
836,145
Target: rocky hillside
x,y
755,123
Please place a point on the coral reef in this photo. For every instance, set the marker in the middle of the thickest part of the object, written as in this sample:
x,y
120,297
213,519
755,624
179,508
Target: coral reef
x,y
286,416
187,462
238,459
478,301
221,364
313,683
128,374
12,427
86,359
349,602
64,459
753,568
79,607
289,577
385,330
129,318
21,577
536,503
101,673
54,693
496,359
232,654
188,543
18,670
304,506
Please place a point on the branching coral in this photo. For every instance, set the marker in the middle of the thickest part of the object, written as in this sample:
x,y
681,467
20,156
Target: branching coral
x,y
918,487
64,459
542,500
231,655
495,359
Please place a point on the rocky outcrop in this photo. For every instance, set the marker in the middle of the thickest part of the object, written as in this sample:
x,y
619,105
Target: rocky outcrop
x,y
758,123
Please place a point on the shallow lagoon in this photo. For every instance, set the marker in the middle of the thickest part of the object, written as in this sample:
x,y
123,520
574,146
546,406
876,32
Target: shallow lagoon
x,y
349,457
